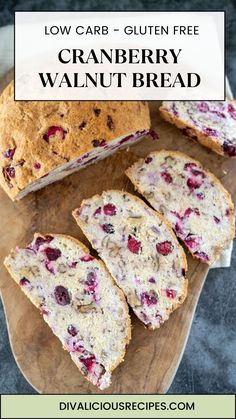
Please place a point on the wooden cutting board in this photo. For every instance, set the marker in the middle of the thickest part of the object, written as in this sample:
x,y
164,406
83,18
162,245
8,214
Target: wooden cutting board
x,y
153,356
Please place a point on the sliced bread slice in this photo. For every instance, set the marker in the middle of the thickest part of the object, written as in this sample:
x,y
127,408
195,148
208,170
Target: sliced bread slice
x,y
78,299
140,250
194,201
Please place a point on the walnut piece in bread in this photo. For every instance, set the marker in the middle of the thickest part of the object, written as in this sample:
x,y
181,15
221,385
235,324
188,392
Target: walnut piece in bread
x,y
140,251
42,142
193,200
212,124
78,299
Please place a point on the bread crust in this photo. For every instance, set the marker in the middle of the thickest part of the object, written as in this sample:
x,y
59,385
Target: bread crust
x,y
101,263
204,139
23,126
218,251
156,214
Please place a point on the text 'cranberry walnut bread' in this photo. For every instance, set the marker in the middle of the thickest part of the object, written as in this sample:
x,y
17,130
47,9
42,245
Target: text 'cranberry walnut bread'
x,y
193,200
42,142
212,124
140,250
78,299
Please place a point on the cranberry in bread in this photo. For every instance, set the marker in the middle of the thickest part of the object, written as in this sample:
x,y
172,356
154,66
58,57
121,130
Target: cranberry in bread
x,y
140,251
42,142
78,299
212,124
193,200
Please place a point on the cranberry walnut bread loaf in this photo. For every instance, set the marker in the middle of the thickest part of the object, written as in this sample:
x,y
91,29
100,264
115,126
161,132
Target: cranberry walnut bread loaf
x,y
78,299
212,124
140,250
42,142
193,200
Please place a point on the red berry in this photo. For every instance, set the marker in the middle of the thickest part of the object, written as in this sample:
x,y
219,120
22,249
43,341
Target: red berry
x,y
98,211
170,293
203,107
109,209
108,228
164,248
24,282
52,253
54,131
73,264
8,154
134,245
87,258
232,111
37,166
21,162
219,114
43,310
49,267
40,241
200,195
198,173
202,256
148,160
125,139
189,166
99,143
189,211
72,330
166,177
61,295
149,299
211,132
88,362
9,173
229,148
91,282
192,241
73,345
179,228
194,183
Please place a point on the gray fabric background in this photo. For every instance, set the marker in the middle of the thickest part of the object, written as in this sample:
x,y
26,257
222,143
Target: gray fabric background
x,y
209,361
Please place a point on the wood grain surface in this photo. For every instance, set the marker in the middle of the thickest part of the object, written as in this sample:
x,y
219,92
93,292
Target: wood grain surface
x,y
153,356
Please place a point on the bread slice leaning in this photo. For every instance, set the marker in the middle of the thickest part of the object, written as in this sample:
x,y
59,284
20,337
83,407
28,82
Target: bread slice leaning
x,y
78,299
198,207
140,251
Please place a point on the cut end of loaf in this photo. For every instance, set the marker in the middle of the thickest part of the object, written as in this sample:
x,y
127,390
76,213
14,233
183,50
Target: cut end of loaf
x,y
98,153
42,142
